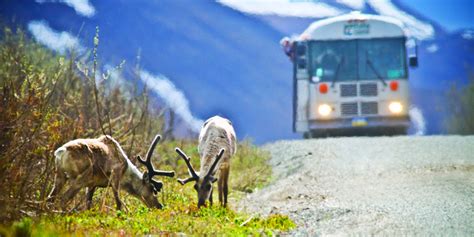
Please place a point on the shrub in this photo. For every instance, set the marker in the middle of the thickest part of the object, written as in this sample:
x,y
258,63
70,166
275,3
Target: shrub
x,y
461,108
46,101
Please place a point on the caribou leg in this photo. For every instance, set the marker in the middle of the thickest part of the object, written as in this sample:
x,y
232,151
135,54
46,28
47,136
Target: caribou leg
x,y
79,182
224,176
210,197
90,194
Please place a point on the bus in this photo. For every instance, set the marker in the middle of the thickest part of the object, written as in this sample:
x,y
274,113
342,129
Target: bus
x,y
350,75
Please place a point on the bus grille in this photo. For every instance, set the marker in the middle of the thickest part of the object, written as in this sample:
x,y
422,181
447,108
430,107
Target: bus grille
x,y
348,90
368,108
349,109
368,89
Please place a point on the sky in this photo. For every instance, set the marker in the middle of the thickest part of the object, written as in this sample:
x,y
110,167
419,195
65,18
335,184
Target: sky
x,y
451,14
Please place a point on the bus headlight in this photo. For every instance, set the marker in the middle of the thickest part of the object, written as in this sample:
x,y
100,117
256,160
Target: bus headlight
x,y
324,110
395,107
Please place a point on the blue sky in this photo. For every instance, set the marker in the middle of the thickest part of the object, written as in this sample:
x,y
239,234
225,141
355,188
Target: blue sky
x,y
451,14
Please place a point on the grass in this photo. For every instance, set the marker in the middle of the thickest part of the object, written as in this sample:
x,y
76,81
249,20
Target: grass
x,y
188,220
249,170
141,220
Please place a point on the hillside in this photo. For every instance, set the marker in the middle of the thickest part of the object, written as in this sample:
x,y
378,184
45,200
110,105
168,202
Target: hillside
x,y
227,61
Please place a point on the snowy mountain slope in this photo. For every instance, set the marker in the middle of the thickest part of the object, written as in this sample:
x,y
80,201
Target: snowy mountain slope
x,y
212,53
227,61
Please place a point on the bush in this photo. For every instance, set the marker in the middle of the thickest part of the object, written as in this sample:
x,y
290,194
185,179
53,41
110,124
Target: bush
x,y
461,108
46,101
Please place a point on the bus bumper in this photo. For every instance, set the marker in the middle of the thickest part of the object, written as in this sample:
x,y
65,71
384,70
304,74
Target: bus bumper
x,y
361,124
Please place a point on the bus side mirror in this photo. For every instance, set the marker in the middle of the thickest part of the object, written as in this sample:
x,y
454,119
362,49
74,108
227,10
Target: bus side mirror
x,y
413,61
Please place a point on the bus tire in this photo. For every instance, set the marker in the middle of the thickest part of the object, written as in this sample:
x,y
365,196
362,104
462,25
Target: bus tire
x,y
396,131
307,135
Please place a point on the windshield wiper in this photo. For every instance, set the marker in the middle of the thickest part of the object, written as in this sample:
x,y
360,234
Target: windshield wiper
x,y
336,74
371,65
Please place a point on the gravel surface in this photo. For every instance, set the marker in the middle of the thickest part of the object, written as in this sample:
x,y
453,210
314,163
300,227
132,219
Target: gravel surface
x,y
372,185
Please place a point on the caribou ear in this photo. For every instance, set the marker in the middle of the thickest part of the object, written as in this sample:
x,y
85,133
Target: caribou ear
x,y
157,186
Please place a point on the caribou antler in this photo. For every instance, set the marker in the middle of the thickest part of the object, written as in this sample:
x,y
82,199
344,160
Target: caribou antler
x,y
151,170
192,172
213,166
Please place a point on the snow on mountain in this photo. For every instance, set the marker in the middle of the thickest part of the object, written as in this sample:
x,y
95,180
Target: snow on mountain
x,y
315,9
82,7
173,97
416,28
468,34
432,48
354,4
224,58
283,8
57,41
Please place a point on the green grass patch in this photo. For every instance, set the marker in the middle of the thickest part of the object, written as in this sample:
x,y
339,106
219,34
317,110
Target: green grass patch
x,y
188,219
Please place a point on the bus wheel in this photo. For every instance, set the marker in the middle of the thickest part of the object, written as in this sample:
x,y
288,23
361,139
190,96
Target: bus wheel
x,y
396,131
401,131
307,135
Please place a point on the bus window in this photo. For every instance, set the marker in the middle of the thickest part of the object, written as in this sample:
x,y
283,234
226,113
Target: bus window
x,y
301,56
300,49
333,60
387,57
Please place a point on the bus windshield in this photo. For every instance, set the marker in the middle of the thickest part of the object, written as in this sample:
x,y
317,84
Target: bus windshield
x,y
347,60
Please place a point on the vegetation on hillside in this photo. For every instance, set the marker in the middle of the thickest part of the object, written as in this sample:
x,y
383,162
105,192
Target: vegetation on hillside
x,y
461,108
47,100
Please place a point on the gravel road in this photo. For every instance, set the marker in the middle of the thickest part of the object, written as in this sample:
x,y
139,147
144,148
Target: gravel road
x,y
372,185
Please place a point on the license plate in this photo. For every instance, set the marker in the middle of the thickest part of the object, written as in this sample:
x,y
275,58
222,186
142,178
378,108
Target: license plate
x,y
359,122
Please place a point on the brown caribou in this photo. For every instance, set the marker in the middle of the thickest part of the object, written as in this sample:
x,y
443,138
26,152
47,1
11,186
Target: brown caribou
x,y
101,162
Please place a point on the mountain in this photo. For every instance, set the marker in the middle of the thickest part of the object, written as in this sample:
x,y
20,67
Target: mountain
x,y
227,61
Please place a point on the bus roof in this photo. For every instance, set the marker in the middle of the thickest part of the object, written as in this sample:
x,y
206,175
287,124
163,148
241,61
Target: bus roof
x,y
354,26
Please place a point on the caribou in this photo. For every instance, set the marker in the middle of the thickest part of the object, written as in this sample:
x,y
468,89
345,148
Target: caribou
x,y
217,144
102,162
